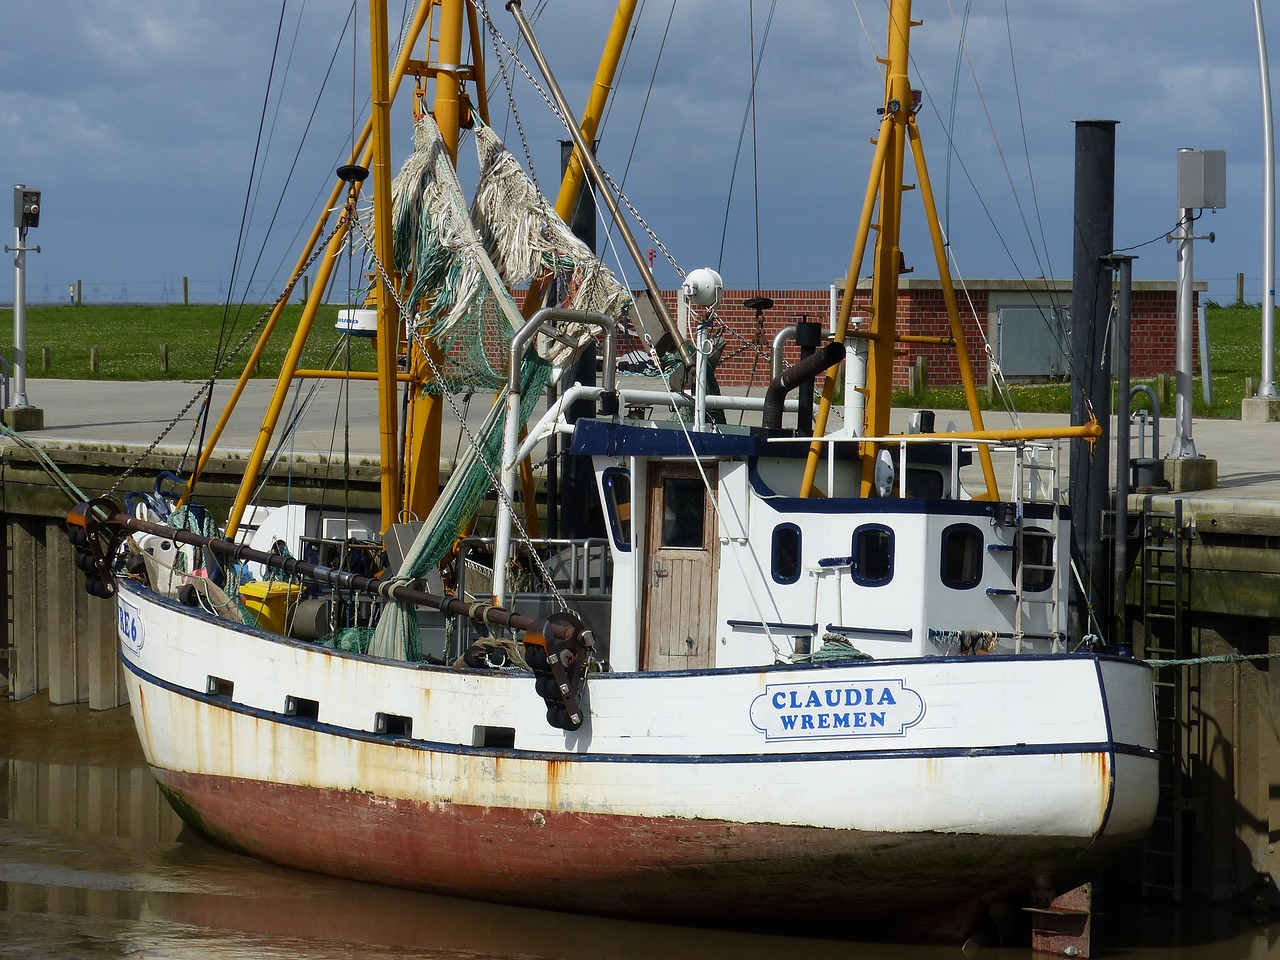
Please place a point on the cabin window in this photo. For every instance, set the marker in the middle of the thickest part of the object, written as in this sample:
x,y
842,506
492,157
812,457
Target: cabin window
x,y
617,505
872,555
1037,559
683,512
961,556
786,553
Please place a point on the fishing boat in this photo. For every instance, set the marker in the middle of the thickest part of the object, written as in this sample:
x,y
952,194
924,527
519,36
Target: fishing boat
x,y
806,675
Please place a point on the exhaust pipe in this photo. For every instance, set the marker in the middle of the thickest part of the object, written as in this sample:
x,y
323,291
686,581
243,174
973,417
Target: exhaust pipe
x,y
803,372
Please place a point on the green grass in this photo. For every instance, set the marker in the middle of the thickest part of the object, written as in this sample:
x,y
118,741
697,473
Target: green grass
x,y
129,341
1235,350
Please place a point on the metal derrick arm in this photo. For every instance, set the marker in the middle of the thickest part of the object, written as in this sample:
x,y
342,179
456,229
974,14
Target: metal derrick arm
x,y
884,190
98,527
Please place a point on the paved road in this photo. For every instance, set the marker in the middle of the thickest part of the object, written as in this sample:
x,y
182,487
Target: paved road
x,y
1248,455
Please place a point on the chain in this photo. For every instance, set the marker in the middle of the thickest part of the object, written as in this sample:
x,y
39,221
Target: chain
x,y
494,36
234,351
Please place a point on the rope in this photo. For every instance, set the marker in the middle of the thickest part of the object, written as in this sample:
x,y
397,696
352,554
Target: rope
x,y
73,493
1216,658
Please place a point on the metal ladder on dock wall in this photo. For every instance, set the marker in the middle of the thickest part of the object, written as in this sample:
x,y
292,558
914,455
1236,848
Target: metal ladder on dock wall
x,y
1165,572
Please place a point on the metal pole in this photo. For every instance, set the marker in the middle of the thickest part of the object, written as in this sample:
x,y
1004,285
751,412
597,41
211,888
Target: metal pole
x,y
19,309
19,319
1267,386
1184,446
1124,315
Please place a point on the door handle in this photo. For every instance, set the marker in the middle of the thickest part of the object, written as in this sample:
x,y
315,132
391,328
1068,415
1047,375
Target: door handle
x,y
659,572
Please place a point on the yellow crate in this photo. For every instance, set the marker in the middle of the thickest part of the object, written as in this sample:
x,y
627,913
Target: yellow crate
x,y
271,602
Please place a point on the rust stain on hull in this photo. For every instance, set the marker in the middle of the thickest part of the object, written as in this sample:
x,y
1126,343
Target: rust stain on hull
x,y
668,868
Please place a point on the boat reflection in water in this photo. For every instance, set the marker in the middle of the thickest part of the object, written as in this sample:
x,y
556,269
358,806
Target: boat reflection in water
x,y
94,864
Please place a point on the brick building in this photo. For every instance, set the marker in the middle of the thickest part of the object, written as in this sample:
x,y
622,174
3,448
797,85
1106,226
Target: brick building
x,y
1026,324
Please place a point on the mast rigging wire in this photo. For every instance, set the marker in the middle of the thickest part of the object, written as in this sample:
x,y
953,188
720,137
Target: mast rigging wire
x,y
748,114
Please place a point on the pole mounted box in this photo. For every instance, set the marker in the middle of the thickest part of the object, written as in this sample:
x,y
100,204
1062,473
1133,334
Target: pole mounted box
x,y
1202,179
26,207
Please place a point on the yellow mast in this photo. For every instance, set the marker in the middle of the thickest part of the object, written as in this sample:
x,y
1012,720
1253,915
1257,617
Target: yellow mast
x,y
388,314
897,129
422,434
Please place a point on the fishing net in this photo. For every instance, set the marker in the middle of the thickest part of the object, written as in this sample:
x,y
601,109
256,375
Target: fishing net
x,y
460,263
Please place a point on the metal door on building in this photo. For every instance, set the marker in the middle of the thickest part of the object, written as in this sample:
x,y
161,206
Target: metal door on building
x,y
680,575
1032,341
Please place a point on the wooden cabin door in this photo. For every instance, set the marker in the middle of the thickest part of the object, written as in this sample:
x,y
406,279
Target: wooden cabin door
x,y
683,554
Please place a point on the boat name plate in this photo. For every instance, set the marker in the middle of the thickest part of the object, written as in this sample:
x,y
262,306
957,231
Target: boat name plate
x,y
836,709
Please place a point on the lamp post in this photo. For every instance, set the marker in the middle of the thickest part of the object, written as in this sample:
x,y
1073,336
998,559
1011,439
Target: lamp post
x,y
26,214
1267,385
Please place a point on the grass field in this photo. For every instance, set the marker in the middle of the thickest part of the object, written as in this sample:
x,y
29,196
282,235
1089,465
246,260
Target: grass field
x,y
1235,350
129,340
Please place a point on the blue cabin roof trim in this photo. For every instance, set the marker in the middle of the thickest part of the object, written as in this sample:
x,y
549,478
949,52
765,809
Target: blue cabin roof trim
x,y
608,439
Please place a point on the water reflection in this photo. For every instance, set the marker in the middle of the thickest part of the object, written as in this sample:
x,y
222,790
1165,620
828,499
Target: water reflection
x,y
94,864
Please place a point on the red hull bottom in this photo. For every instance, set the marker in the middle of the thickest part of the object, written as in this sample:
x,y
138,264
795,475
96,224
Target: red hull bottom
x,y
675,870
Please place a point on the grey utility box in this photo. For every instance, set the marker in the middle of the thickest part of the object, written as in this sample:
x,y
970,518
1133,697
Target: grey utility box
x,y
1032,342
1202,179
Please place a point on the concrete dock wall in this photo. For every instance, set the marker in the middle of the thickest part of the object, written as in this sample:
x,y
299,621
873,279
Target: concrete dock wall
x,y
59,638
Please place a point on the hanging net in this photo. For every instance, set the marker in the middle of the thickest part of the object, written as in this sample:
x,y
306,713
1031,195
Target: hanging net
x,y
458,262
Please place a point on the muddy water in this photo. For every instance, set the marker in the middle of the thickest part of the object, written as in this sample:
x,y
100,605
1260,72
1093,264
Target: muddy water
x,y
94,865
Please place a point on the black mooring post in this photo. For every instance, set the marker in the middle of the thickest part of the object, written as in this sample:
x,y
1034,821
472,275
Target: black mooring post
x,y
808,338
1095,181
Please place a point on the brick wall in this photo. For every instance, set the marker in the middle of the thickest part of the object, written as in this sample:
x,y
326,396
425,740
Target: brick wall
x,y
922,312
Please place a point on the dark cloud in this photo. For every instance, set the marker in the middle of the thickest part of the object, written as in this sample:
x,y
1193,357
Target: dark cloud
x,y
139,120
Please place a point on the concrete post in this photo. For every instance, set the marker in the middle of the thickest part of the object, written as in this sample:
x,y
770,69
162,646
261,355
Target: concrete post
x,y
106,685
63,581
27,621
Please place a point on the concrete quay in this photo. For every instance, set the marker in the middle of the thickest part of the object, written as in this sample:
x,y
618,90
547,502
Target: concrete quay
x,y
114,414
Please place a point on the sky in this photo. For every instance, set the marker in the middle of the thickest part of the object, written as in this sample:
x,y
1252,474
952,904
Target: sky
x,y
179,138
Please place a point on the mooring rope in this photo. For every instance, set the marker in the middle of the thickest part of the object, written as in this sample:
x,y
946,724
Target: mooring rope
x,y
74,493
1216,658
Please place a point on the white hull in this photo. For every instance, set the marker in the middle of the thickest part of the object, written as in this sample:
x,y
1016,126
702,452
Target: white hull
x,y
972,774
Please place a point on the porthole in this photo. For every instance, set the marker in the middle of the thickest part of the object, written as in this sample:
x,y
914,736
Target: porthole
x,y
872,555
1037,559
961,561
785,562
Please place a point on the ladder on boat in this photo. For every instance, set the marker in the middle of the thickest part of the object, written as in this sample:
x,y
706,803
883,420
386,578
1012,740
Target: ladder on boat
x,y
1166,635
1036,583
